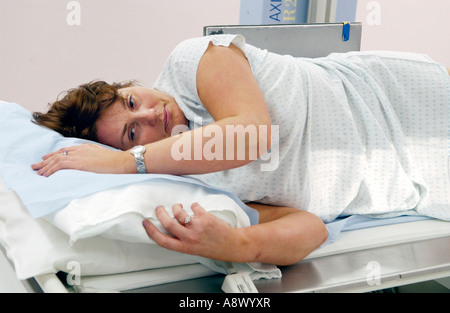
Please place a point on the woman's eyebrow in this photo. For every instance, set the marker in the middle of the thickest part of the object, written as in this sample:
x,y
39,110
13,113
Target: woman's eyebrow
x,y
124,132
124,101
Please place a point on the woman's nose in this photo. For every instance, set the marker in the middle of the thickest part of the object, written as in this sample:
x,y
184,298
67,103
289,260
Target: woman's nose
x,y
148,116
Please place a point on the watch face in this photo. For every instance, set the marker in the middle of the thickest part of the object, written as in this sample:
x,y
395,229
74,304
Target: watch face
x,y
138,149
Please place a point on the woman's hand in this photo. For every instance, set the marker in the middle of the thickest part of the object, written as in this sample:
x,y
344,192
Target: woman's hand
x,y
85,157
284,236
205,234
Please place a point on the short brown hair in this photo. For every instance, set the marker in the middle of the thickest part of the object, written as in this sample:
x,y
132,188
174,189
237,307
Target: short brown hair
x,y
75,114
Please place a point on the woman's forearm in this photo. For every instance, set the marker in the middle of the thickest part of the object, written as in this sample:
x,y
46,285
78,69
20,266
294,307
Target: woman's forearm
x,y
223,145
282,240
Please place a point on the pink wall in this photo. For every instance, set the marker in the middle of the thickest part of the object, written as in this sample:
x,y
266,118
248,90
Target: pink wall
x,y
407,25
43,51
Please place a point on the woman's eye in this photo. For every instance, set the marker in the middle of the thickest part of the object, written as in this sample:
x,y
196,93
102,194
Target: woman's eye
x,y
131,102
132,131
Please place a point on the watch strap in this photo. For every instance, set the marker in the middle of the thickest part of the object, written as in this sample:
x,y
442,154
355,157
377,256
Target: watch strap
x,y
138,153
140,164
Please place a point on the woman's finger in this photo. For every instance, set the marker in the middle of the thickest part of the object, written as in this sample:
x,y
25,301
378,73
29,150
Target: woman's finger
x,y
49,160
172,225
198,209
52,164
63,151
161,239
181,215
43,166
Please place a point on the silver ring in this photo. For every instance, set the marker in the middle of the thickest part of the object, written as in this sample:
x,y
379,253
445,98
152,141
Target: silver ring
x,y
65,152
187,220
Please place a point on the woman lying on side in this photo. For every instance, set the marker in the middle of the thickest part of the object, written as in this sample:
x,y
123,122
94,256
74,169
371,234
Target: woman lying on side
x,y
218,110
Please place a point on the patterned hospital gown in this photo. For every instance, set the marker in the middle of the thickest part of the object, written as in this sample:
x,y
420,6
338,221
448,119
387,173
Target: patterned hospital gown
x,y
359,133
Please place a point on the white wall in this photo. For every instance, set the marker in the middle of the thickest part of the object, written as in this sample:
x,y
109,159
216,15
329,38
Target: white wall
x,y
41,54
407,25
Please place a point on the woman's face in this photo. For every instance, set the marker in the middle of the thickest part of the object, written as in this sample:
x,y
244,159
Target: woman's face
x,y
145,116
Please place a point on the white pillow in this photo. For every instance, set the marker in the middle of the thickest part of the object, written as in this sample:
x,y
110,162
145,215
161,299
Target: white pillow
x,y
118,213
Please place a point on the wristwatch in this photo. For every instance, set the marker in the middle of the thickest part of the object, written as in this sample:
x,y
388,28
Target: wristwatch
x,y
138,152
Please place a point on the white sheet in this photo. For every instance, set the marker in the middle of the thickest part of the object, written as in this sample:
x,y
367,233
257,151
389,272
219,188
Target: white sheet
x,y
385,235
135,280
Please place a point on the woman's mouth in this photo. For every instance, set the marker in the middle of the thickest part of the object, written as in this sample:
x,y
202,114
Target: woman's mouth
x,y
166,119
